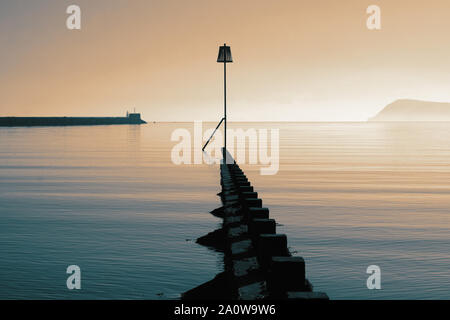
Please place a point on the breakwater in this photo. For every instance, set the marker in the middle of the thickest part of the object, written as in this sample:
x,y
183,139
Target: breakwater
x,y
257,261
132,118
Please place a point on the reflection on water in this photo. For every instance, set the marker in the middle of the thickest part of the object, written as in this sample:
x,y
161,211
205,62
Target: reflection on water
x,y
349,195
108,199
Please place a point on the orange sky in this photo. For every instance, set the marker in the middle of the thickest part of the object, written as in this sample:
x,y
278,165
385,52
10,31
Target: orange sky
x,y
295,60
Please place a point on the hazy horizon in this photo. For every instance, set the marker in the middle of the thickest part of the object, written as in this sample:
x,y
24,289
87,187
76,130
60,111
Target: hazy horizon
x,y
245,121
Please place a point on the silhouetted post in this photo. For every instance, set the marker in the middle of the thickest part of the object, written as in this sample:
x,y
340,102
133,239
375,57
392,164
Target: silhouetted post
x,y
224,57
225,109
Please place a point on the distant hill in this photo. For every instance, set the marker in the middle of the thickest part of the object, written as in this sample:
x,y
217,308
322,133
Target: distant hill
x,y
414,110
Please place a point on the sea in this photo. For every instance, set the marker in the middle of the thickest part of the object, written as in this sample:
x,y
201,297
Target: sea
x,y
112,201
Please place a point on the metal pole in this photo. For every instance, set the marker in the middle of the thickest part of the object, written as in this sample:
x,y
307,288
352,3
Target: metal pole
x,y
225,106
221,120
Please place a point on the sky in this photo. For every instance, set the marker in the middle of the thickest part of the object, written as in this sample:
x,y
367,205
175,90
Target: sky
x,y
294,60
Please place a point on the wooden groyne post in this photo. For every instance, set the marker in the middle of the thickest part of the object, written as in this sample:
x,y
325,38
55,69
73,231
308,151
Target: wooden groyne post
x,y
258,264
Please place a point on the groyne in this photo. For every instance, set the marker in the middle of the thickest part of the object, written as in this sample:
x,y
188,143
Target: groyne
x,y
257,261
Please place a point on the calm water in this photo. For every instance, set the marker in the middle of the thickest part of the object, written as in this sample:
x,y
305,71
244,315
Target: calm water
x,y
109,199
